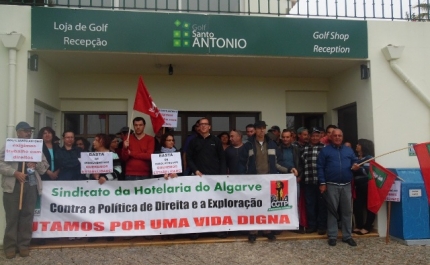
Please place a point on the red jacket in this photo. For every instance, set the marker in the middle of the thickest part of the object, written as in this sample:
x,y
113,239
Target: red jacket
x,y
138,160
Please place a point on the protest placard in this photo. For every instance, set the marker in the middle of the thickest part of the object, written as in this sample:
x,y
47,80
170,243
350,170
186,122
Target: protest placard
x,y
394,193
170,117
23,150
165,163
174,206
96,162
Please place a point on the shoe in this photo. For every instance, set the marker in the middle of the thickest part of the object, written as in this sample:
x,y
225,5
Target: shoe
x,y
92,239
277,232
10,254
24,253
332,242
350,242
271,236
252,238
300,231
362,232
311,230
193,236
322,232
110,238
222,235
356,231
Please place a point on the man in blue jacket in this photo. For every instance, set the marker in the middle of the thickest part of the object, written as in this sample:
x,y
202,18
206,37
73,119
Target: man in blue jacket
x,y
334,165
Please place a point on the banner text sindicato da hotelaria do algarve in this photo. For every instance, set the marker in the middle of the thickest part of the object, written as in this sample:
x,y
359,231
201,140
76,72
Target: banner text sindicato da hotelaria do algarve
x,y
158,206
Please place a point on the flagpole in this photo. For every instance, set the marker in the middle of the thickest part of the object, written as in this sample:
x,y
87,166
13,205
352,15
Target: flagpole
x,y
130,124
387,237
373,158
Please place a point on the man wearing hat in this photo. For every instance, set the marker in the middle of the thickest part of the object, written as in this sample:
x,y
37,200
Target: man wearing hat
x,y
262,159
303,135
19,223
316,210
276,132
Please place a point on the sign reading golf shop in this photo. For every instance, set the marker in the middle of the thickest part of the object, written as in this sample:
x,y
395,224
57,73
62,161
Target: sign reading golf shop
x,y
178,33
174,206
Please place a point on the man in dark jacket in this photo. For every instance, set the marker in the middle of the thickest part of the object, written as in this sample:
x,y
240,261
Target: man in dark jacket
x,y
334,165
205,156
262,159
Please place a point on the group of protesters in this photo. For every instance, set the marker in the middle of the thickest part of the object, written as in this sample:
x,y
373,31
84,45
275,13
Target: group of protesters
x,y
323,166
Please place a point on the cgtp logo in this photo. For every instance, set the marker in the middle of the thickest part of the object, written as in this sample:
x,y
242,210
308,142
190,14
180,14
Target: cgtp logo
x,y
279,195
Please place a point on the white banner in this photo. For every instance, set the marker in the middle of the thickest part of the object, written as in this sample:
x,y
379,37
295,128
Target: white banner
x,y
96,162
166,163
170,117
25,150
157,206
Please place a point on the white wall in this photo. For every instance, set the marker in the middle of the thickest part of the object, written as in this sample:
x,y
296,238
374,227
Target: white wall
x,y
347,88
186,93
400,117
13,18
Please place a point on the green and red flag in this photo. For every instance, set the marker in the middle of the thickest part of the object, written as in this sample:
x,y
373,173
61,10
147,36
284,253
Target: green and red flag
x,y
380,182
423,155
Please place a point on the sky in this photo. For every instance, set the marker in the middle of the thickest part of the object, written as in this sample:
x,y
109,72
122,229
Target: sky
x,y
371,8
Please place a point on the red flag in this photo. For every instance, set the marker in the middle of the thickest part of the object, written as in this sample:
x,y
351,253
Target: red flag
x,y
380,182
144,103
423,155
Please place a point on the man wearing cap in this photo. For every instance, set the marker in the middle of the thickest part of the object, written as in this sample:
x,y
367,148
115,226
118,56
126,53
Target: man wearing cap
x,y
276,131
334,168
262,159
316,211
19,223
303,135
136,152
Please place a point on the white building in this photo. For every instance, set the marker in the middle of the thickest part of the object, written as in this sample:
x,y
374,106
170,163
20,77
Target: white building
x,y
232,68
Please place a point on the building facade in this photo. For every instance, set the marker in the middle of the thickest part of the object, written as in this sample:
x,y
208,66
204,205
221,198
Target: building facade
x,y
78,69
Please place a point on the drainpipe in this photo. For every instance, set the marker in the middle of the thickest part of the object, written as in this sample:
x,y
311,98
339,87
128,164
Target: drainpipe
x,y
12,41
392,53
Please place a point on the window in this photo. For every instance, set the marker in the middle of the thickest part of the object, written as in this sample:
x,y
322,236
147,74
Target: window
x,y
308,120
87,125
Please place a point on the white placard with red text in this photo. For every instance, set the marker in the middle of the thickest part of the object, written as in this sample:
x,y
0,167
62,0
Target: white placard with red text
x,y
96,162
170,117
157,206
166,163
394,193
23,150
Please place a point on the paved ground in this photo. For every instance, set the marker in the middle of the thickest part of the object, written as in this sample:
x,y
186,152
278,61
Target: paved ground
x,y
371,250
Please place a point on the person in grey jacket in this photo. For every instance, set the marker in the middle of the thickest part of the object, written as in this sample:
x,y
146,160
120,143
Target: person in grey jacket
x,y
19,223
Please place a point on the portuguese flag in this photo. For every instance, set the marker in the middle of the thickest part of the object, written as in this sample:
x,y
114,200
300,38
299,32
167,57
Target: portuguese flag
x,y
423,155
380,182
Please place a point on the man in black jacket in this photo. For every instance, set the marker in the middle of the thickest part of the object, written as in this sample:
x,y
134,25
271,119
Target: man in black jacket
x,y
205,156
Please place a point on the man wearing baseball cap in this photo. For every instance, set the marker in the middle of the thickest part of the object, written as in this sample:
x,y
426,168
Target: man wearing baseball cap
x,y
19,222
262,159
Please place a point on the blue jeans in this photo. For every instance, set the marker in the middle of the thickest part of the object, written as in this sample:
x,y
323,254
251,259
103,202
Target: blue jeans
x,y
316,210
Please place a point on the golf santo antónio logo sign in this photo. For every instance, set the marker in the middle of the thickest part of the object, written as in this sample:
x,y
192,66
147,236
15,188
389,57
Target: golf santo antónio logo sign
x,y
279,195
188,35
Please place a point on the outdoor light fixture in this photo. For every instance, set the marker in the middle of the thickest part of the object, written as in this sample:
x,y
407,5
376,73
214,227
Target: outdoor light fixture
x,y
364,71
170,69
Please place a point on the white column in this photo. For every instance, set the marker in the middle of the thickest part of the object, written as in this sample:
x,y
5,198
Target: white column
x,y
12,41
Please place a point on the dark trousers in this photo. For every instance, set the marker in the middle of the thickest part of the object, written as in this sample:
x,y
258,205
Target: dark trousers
x,y
316,210
19,224
360,206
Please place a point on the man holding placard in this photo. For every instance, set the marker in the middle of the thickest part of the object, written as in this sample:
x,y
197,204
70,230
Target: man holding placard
x,y
21,184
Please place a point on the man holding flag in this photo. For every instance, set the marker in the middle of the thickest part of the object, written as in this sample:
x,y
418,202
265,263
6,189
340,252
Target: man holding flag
x,y
136,152
334,176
